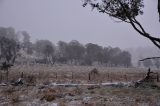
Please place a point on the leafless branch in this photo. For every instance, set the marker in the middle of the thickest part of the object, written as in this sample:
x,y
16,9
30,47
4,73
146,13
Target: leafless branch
x,y
149,58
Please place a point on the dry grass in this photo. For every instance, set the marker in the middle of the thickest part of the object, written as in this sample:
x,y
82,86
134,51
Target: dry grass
x,y
37,89
58,73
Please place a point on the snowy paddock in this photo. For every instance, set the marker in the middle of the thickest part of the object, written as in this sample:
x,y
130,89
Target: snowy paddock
x,y
64,85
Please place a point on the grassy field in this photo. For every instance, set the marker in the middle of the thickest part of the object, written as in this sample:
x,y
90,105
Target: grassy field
x,y
78,73
38,89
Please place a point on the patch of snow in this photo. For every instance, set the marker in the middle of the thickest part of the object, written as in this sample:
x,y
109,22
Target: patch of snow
x,y
88,84
87,99
74,103
37,102
3,84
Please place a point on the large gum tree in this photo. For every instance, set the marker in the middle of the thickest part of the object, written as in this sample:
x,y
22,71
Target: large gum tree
x,y
125,11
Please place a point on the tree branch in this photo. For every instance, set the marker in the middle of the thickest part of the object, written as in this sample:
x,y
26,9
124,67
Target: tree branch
x,y
127,16
149,58
154,40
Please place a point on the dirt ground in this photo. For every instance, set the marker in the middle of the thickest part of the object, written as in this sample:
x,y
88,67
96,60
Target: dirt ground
x,y
38,88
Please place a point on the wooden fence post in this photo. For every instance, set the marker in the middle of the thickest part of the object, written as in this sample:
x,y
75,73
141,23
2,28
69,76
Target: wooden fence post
x,y
108,76
89,76
157,77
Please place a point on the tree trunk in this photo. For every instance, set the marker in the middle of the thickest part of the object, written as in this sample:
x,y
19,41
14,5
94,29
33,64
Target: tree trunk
x,y
159,9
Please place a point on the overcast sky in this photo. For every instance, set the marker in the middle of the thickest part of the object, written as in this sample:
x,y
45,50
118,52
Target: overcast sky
x,y
67,20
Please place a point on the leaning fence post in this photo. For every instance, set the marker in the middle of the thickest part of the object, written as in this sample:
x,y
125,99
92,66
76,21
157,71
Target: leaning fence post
x,y
157,77
89,76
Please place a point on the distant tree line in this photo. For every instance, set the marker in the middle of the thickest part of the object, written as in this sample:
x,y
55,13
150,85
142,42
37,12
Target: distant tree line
x,y
75,53
150,63
17,45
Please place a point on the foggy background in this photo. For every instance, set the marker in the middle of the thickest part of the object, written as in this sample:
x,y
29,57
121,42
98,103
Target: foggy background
x,y
67,20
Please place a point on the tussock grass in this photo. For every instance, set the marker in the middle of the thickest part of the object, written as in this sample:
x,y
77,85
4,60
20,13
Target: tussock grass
x,y
37,80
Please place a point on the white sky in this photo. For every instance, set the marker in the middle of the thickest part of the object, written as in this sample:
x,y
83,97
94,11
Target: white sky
x,y
67,20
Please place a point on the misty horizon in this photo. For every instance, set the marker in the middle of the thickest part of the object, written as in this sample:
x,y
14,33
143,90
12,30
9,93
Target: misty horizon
x,y
68,20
